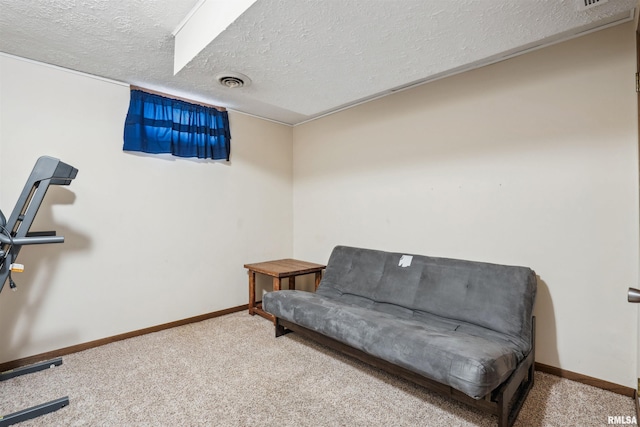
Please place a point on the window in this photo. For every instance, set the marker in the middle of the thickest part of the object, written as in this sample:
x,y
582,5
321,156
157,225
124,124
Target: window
x,y
157,124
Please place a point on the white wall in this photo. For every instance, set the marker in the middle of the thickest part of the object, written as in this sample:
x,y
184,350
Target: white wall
x,y
532,161
149,239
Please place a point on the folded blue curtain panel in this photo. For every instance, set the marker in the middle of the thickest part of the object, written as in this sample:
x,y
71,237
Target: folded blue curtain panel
x,y
157,124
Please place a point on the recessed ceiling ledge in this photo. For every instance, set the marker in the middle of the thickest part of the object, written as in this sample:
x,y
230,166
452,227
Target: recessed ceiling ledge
x,y
206,21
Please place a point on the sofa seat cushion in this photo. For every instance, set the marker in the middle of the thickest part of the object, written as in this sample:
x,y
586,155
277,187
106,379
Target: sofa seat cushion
x,y
492,296
469,358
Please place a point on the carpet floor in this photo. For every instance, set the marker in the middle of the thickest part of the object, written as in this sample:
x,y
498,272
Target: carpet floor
x,y
231,371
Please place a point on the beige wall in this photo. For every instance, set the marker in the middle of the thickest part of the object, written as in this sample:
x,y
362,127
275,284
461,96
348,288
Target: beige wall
x,y
149,239
532,161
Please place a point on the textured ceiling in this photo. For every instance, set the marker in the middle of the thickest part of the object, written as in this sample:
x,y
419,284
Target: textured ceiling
x,y
306,58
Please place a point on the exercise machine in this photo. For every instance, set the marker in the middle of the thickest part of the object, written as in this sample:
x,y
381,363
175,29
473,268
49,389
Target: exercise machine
x,y
14,233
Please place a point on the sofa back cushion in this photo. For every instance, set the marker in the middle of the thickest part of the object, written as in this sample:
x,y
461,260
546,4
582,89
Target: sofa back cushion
x,y
497,297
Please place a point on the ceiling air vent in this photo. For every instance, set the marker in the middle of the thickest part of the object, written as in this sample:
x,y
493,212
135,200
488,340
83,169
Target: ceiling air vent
x,y
588,4
233,80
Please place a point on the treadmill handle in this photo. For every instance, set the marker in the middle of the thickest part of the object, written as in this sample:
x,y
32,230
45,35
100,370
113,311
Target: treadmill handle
x,y
39,240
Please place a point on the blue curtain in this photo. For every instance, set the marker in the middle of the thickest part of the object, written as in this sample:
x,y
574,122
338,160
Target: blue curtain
x,y
156,124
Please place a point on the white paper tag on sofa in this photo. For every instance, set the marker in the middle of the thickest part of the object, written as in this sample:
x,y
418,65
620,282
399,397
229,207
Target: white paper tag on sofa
x,y
405,261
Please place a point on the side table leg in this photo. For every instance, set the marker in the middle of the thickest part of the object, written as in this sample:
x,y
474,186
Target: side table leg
x,y
276,283
252,292
292,282
318,279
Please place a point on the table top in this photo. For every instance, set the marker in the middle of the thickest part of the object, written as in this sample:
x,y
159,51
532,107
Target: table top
x,y
285,267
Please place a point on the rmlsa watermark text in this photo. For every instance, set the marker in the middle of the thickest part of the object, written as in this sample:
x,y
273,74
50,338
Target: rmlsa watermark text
x,y
622,420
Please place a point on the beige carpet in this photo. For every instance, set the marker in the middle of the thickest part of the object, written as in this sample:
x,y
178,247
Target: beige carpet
x,y
231,371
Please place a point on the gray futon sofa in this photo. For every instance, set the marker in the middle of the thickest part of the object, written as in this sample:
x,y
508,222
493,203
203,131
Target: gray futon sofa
x,y
458,327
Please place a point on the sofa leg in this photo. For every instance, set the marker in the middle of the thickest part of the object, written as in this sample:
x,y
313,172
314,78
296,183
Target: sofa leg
x,y
280,330
503,415
510,402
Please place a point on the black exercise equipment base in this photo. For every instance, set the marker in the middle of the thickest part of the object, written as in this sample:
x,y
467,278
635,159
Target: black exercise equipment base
x,y
38,410
34,411
23,370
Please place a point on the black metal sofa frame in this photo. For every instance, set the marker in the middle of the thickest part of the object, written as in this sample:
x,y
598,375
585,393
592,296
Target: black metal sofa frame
x,y
505,402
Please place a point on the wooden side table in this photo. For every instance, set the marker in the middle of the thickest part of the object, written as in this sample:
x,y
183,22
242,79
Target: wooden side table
x,y
279,269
